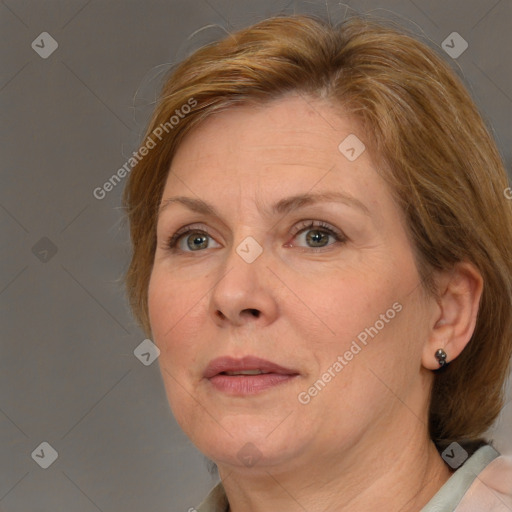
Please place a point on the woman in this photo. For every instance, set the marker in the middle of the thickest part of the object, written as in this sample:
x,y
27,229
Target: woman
x,y
323,255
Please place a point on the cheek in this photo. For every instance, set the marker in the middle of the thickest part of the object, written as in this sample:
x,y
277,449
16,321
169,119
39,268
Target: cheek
x,y
173,308
178,313
167,305
361,375
161,305
346,306
369,320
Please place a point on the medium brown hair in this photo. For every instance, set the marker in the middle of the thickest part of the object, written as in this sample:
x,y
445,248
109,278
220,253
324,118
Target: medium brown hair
x,y
437,155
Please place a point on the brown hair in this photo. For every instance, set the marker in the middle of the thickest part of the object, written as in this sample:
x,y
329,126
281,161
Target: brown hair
x,y
440,161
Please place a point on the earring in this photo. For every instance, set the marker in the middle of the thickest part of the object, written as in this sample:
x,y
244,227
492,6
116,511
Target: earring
x,y
441,357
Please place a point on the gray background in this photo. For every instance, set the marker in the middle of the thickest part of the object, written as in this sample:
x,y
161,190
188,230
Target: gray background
x,y
68,374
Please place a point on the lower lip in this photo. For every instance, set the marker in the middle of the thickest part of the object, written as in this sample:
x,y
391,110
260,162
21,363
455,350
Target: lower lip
x,y
248,384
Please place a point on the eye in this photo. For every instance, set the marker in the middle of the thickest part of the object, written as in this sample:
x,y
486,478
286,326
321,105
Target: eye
x,y
190,239
316,234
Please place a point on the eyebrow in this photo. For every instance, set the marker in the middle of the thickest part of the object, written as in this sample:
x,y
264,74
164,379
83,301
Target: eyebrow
x,y
282,207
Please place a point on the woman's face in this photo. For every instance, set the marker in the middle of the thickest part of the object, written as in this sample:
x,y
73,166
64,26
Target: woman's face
x,y
278,265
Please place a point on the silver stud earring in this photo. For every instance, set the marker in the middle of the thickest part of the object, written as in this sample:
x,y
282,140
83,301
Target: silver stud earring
x,y
441,357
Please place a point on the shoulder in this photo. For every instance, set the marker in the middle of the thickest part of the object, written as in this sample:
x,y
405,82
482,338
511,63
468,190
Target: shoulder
x,y
492,488
482,484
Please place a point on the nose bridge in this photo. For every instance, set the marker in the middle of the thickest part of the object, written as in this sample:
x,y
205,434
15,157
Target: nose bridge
x,y
248,230
243,287
249,249
244,262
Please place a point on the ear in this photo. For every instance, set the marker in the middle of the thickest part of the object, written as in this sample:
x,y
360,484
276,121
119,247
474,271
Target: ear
x,y
454,316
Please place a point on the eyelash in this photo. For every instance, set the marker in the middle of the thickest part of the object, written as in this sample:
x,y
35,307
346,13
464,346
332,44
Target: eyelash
x,y
339,237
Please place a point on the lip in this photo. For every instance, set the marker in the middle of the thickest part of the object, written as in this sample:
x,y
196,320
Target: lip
x,y
231,364
246,384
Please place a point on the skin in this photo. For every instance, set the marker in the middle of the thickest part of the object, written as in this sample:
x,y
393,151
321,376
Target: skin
x,y
362,442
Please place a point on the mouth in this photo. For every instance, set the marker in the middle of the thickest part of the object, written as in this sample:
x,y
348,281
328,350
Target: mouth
x,y
245,372
248,375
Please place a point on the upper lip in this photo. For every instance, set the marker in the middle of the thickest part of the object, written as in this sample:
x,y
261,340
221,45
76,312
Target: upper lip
x,y
231,364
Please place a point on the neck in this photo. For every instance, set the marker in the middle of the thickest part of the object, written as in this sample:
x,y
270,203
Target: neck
x,y
402,475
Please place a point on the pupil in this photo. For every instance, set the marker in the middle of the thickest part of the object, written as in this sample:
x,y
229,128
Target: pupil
x,y
316,238
197,242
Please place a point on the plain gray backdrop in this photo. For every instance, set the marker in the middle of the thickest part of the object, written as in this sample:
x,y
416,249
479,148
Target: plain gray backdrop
x,y
68,373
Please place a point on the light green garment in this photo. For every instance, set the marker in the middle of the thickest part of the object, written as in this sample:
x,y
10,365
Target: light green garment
x,y
450,494
456,491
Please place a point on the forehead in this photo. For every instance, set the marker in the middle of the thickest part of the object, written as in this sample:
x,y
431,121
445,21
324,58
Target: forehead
x,y
295,130
247,158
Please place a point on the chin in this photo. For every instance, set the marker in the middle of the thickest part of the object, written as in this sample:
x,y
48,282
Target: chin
x,y
247,444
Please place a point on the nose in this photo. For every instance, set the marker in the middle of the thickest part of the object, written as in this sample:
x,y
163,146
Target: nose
x,y
244,293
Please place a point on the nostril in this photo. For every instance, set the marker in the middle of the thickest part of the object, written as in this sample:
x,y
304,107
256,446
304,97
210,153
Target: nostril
x,y
252,312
